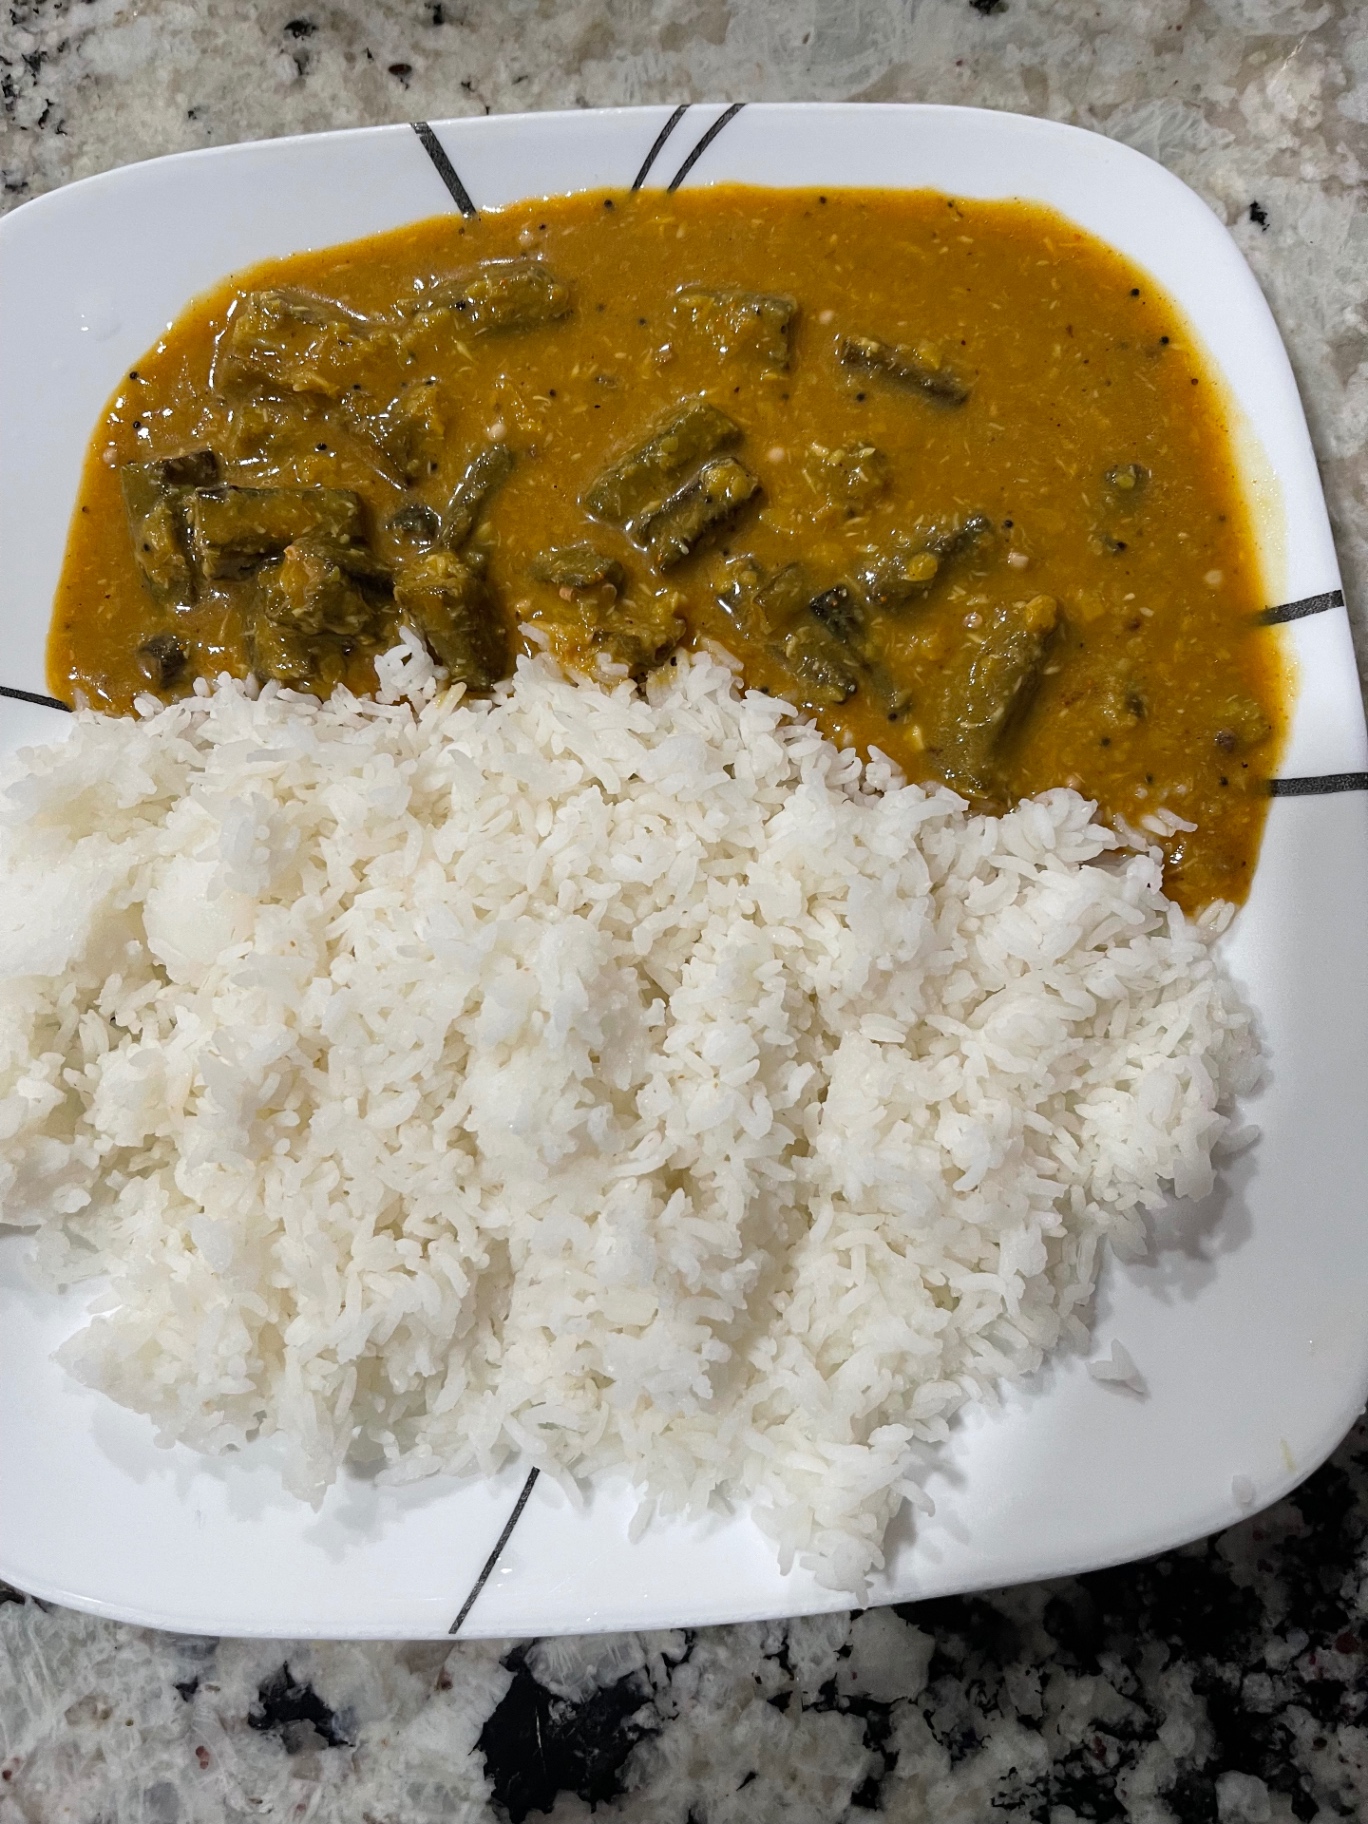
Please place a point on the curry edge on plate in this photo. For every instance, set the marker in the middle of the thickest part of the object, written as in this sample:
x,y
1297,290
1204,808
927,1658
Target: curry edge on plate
x,y
952,476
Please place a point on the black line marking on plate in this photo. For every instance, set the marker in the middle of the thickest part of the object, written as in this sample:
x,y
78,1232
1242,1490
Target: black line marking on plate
x,y
1298,611
495,1555
1317,785
660,139
444,167
704,143
33,696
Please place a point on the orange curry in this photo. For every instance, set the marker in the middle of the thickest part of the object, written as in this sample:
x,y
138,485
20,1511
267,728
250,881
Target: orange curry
x,y
950,475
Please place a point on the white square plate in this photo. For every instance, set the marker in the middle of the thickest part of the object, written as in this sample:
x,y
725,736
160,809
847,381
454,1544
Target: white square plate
x,y
1251,1334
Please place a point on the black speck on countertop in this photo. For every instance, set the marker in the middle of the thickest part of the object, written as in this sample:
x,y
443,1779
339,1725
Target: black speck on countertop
x,y
293,1710
537,1744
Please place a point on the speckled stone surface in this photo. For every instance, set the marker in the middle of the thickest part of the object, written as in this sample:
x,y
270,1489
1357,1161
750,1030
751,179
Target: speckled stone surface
x,y
1226,1682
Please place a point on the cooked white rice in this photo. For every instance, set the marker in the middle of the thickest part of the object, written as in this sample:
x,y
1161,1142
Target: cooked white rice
x,y
594,1078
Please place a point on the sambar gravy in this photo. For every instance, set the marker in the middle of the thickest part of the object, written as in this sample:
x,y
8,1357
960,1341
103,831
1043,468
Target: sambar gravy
x,y
951,475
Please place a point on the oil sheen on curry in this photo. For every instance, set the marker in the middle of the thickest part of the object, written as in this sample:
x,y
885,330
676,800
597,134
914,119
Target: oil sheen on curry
x,y
950,475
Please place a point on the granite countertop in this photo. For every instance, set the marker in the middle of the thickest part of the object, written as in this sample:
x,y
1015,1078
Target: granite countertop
x,y
1226,1681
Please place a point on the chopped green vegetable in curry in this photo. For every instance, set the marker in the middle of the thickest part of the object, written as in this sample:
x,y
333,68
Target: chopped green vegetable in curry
x,y
950,475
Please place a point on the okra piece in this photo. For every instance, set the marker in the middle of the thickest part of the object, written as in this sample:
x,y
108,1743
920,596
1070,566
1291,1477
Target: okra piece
x,y
948,537
739,594
270,430
639,634
841,613
154,501
418,523
634,634
736,322
783,598
702,507
191,469
577,567
516,294
312,591
901,576
162,660
761,607
235,530
907,570
817,659
447,601
638,483
916,366
990,690
410,431
829,659
293,342
283,655
156,524
486,473
822,637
